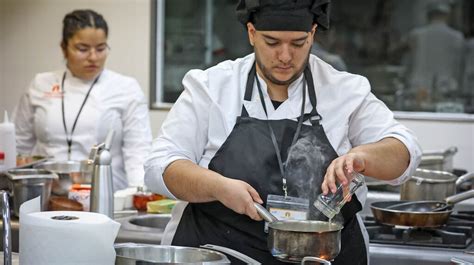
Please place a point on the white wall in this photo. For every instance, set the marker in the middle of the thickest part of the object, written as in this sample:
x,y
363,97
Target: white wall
x,y
30,32
436,135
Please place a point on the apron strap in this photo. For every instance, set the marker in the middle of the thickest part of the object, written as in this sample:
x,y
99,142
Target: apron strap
x,y
314,117
248,89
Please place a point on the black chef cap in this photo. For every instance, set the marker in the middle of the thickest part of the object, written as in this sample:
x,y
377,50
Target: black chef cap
x,y
284,15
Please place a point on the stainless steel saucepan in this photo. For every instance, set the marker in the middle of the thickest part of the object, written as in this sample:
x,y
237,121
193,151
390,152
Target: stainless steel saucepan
x,y
302,240
432,185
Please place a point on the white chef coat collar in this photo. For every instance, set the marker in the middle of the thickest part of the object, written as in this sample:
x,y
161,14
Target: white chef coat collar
x,y
255,109
73,80
293,88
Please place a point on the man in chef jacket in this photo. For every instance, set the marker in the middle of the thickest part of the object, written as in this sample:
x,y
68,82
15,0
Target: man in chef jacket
x,y
239,128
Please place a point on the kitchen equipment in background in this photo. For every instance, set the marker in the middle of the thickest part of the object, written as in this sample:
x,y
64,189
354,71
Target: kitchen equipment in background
x,y
147,254
81,193
64,204
432,185
416,214
102,196
26,184
28,161
127,196
293,240
7,143
394,245
69,173
441,160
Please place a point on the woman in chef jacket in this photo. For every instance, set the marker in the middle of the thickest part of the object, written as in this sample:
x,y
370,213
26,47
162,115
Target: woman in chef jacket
x,y
65,112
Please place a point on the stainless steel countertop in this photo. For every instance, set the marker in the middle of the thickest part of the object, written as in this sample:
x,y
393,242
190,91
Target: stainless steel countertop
x,y
138,234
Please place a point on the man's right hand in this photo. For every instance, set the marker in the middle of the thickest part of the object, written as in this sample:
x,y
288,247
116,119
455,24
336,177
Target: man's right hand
x,y
238,196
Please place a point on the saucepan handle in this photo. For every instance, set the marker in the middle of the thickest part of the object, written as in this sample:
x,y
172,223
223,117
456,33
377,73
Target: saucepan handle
x,y
233,253
464,178
266,215
460,197
322,261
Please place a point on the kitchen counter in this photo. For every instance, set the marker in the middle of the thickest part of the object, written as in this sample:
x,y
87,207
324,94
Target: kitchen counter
x,y
15,258
130,231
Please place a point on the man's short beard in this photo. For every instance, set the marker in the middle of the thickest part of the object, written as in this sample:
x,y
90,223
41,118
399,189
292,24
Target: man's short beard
x,y
267,74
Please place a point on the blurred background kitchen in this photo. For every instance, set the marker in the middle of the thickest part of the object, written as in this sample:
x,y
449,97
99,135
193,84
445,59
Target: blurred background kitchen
x,y
157,42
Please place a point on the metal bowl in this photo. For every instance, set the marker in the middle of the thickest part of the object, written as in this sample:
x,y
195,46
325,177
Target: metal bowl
x,y
131,253
69,172
27,184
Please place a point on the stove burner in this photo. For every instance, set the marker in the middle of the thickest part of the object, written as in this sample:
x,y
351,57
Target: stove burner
x,y
459,235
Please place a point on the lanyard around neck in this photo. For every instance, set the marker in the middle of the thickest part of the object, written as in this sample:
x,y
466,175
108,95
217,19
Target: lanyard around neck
x,y
272,133
69,136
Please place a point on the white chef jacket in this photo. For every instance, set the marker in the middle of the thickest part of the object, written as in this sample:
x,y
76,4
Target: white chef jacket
x,y
205,114
115,102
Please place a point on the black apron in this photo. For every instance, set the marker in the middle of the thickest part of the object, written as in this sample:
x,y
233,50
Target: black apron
x,y
248,154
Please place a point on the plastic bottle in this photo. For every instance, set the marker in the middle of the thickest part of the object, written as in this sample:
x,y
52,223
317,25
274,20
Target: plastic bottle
x,y
331,204
2,161
8,142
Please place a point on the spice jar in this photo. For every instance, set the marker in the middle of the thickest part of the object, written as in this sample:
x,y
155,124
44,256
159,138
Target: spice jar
x,y
331,204
142,197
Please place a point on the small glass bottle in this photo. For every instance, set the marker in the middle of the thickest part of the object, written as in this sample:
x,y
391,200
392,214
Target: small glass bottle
x,y
142,197
331,204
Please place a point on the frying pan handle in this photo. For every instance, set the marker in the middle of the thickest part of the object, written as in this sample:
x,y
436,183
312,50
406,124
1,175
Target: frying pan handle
x,y
460,197
266,215
464,178
322,261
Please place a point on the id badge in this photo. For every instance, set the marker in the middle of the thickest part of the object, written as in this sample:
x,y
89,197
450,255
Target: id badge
x,y
289,208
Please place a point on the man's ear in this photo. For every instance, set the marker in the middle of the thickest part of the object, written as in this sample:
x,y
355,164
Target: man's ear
x,y
251,32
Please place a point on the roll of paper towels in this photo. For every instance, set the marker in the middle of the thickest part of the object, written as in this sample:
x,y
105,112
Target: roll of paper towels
x,y
65,237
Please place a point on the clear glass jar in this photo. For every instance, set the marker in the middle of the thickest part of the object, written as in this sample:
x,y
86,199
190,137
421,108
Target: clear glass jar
x,y
331,204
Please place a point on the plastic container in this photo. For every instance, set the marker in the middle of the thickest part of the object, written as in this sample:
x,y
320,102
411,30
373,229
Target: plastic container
x,y
142,197
160,206
331,204
2,161
8,142
82,194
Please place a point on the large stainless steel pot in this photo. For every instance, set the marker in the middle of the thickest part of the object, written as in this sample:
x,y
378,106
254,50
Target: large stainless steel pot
x,y
432,185
27,184
441,160
292,241
69,172
146,254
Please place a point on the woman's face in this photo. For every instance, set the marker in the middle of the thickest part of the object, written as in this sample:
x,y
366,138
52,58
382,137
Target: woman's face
x,y
86,52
